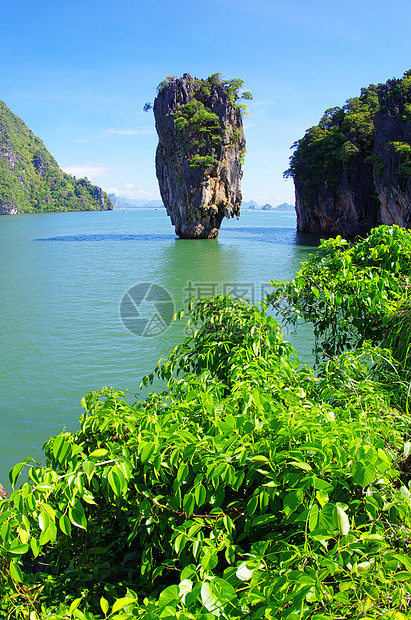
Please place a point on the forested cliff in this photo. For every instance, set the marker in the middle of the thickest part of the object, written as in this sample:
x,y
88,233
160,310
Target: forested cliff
x,y
352,171
30,178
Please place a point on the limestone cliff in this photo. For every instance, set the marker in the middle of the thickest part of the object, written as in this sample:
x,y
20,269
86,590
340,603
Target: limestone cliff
x,y
30,178
392,152
200,151
349,207
353,170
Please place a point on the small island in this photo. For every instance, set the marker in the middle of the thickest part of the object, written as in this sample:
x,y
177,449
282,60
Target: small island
x,y
200,152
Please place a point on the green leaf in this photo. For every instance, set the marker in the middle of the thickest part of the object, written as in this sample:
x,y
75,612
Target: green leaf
x,y
121,603
147,451
61,448
301,465
180,543
252,504
16,471
188,504
19,549
209,560
65,525
16,572
169,596
216,594
115,482
89,469
343,521
44,520
35,547
75,604
200,494
363,474
328,518
77,516
104,605
313,519
98,453
243,573
292,501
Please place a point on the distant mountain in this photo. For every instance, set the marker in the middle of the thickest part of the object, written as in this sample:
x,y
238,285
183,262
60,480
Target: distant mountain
x,y
122,202
252,205
30,178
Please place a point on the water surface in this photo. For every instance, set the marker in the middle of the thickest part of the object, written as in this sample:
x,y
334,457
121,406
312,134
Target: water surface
x,y
62,280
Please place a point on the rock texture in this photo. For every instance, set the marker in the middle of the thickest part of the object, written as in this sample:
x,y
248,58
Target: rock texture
x,y
349,209
392,153
352,172
30,178
198,158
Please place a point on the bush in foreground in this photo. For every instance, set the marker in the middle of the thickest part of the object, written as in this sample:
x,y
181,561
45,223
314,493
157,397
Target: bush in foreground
x,y
249,488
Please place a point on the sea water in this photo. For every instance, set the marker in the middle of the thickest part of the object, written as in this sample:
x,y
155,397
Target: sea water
x,y
70,283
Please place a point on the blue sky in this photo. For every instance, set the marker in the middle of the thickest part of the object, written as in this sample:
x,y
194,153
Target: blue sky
x,y
79,72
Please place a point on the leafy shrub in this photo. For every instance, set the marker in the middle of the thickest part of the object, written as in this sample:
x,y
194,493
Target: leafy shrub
x,y
350,291
249,488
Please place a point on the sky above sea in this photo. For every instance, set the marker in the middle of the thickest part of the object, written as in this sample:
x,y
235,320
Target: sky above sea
x,y
79,74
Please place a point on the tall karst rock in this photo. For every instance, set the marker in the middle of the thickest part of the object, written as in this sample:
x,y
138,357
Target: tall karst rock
x,y
392,151
30,178
352,171
200,152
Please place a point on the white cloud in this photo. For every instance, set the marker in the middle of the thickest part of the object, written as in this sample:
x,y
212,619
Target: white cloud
x,y
89,169
266,102
143,131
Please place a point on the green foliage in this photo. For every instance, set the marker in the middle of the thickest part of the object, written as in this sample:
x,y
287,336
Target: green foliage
x,y
247,489
200,131
350,291
30,178
403,151
325,150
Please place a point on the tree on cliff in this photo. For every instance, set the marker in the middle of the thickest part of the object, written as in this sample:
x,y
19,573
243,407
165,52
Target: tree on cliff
x,y
352,171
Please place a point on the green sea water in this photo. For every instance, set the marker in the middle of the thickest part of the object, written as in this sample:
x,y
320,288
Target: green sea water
x,y
63,277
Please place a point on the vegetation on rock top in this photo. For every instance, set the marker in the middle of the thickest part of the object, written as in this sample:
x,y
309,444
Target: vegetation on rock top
x,y
325,152
199,128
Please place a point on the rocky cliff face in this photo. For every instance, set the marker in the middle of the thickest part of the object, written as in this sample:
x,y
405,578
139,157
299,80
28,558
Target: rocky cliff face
x,y
199,154
30,178
349,208
353,171
392,153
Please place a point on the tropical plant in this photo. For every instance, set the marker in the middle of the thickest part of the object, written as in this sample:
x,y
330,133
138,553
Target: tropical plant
x,y
351,292
249,488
